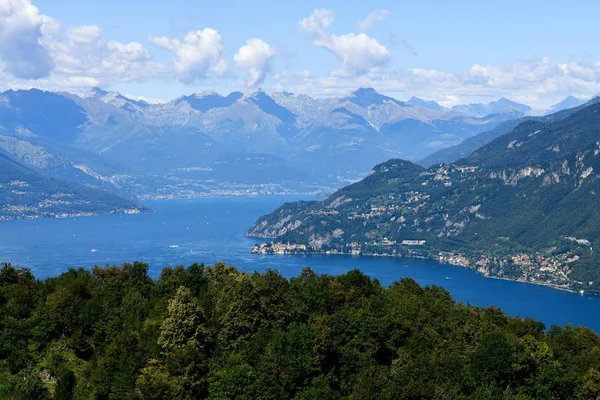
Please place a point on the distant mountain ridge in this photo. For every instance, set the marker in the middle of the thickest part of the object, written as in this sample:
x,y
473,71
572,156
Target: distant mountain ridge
x,y
501,105
465,148
107,140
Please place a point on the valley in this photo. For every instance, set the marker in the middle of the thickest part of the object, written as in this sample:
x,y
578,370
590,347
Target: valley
x,y
242,143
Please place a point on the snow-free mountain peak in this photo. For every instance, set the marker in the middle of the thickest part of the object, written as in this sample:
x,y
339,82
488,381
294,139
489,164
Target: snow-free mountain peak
x,y
366,97
568,102
112,97
208,100
268,105
428,104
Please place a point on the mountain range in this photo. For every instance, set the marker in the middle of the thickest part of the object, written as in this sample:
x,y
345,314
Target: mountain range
x,y
237,144
523,206
198,144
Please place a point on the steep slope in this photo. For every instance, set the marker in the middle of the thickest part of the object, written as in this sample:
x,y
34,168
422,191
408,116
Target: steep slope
x,y
70,164
367,127
568,102
465,148
534,142
208,100
525,211
27,194
134,148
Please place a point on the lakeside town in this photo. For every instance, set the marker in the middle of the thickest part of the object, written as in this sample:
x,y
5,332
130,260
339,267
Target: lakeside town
x,y
553,271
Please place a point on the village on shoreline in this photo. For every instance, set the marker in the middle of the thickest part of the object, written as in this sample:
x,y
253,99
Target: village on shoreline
x,y
526,268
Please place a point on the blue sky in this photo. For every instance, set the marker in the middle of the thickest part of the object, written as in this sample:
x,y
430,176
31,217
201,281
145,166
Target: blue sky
x,y
536,52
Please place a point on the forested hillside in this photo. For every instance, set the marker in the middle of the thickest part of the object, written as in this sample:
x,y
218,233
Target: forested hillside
x,y
524,206
218,333
25,193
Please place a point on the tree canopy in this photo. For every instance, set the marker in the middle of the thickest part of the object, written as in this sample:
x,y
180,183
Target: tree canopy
x,y
218,333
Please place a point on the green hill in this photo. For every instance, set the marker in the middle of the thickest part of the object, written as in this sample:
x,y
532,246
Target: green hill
x,y
469,145
523,207
27,194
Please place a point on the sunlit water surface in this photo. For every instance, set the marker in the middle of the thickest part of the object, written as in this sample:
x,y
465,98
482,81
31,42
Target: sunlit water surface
x,y
181,232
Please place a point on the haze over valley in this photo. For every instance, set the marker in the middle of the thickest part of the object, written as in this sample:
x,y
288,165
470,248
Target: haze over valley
x,y
241,143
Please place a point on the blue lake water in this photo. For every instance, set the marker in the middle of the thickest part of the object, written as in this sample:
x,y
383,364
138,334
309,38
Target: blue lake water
x,y
180,232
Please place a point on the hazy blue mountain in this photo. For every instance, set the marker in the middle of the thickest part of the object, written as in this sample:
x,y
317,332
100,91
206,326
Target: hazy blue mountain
x,y
499,106
269,106
71,164
568,102
44,114
469,145
25,193
536,142
366,97
465,148
208,100
429,104
115,98
127,144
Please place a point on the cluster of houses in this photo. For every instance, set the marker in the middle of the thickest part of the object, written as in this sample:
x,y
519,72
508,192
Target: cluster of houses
x,y
279,248
535,268
454,259
353,248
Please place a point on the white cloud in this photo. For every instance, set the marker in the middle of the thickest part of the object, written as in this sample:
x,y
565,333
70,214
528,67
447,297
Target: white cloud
x,y
148,100
21,52
81,52
199,56
358,53
538,83
255,57
35,51
447,100
374,16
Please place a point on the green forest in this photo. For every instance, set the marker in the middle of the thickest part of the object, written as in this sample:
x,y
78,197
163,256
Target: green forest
x,y
219,333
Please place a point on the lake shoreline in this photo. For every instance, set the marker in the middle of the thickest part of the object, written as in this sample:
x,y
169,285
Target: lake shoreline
x,y
212,230
437,259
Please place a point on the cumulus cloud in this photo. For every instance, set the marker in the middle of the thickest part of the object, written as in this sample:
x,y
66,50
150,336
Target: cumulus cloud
x,y
374,16
148,100
358,53
255,57
21,52
36,51
197,57
81,53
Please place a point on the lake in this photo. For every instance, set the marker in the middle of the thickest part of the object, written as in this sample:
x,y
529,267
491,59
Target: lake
x,y
181,232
